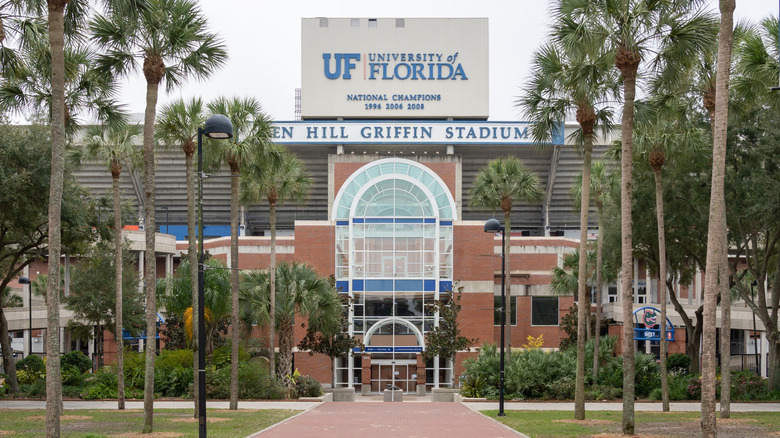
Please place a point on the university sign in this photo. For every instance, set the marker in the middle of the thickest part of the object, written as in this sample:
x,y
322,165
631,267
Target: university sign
x,y
385,68
410,133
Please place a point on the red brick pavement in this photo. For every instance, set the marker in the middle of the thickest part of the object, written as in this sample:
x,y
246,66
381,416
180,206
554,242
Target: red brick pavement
x,y
385,420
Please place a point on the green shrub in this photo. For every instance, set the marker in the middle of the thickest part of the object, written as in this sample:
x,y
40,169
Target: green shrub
x,y
562,389
37,389
176,382
221,356
678,363
473,387
172,359
99,391
32,363
694,387
648,374
72,375
678,386
603,392
69,391
76,359
529,372
747,385
306,386
134,370
656,394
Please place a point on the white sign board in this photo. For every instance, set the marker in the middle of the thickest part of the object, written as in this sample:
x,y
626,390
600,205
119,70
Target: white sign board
x,y
388,68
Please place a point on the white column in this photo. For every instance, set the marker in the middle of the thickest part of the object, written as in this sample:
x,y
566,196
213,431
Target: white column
x,y
141,271
764,354
63,339
169,265
66,275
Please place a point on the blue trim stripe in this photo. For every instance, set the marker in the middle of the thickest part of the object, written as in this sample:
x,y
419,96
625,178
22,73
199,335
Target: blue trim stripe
x,y
379,220
430,220
408,220
447,223
430,285
445,286
342,223
408,285
357,285
342,286
379,285
357,220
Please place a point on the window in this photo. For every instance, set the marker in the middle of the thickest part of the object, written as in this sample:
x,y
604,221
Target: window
x,y
498,305
544,310
355,22
612,293
372,22
641,297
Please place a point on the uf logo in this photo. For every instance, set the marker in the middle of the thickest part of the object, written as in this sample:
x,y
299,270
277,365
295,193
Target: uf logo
x,y
348,64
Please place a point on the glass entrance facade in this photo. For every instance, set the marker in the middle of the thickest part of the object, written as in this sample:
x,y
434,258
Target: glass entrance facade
x,y
393,255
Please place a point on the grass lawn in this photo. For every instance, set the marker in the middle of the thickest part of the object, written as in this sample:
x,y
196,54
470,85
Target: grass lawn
x,y
168,423
650,424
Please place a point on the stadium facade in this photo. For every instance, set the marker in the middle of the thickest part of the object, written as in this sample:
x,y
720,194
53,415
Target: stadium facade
x,y
393,128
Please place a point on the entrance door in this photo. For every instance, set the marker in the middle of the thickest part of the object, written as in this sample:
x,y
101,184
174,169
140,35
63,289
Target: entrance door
x,y
399,372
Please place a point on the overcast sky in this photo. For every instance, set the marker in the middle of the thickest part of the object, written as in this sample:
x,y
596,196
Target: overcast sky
x,y
264,39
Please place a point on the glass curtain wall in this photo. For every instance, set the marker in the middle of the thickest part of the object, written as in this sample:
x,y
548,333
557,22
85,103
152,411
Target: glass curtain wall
x,y
394,258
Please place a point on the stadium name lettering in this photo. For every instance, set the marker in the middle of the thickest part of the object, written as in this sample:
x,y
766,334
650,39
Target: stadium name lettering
x,y
400,132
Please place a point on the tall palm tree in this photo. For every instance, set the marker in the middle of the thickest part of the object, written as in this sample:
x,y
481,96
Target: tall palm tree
x,y
277,176
663,130
659,31
603,186
252,135
498,185
300,291
114,144
171,40
716,233
178,126
757,69
579,78
10,299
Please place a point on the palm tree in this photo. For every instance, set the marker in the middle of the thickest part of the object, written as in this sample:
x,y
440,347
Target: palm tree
x,y
114,144
659,31
716,233
300,291
170,38
579,78
9,298
757,69
277,176
603,186
663,129
497,186
178,125
174,292
252,129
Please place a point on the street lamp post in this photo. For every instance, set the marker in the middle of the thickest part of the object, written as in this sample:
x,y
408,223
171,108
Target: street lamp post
x,y
756,343
26,280
217,127
493,226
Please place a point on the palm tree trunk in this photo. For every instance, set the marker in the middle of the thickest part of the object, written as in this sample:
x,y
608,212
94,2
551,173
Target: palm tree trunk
x,y
119,338
599,266
507,280
583,309
716,234
150,261
272,298
286,329
234,182
192,257
628,71
659,209
53,373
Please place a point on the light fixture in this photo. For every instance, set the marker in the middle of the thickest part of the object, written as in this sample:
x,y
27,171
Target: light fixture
x,y
493,226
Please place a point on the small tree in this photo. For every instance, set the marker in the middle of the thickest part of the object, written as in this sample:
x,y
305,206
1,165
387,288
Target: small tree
x,y
93,300
445,339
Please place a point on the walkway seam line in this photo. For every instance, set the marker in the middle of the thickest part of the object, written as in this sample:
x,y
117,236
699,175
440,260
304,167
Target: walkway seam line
x,y
498,422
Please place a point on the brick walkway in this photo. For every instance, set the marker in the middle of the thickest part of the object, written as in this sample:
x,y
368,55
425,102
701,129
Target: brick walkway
x,y
386,420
